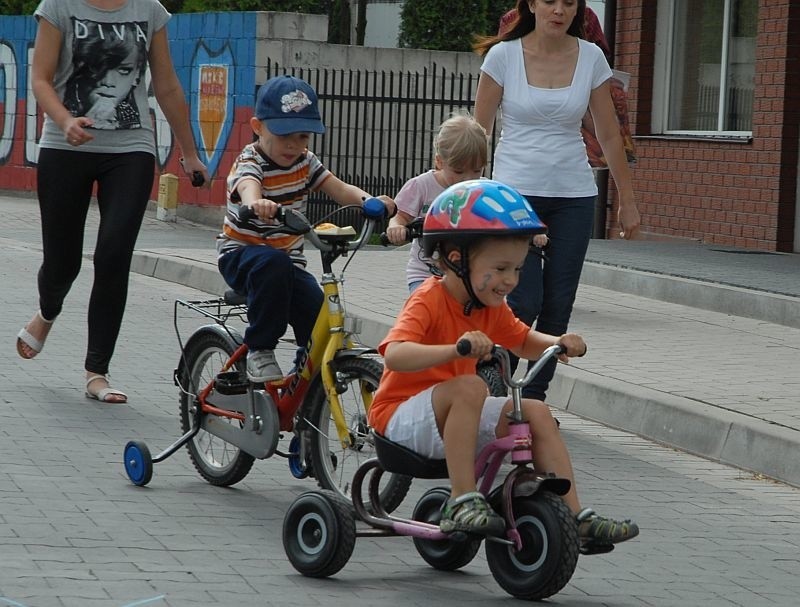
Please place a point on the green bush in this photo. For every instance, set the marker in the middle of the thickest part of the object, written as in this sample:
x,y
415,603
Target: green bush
x,y
292,6
18,7
443,25
339,22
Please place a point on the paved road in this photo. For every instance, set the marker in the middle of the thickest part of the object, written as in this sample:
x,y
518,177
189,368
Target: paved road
x,y
74,532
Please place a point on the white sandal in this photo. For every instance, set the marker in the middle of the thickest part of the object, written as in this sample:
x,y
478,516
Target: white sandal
x,y
103,394
24,337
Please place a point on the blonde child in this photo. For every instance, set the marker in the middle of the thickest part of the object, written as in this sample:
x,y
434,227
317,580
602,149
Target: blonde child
x,y
460,153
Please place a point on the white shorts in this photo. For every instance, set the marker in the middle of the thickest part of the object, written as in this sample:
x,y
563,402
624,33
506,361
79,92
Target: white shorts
x,y
413,424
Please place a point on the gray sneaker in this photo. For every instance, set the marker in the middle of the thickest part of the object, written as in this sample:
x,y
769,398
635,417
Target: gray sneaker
x,y
262,366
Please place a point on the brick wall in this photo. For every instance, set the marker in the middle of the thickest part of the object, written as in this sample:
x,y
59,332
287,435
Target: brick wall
x,y
724,192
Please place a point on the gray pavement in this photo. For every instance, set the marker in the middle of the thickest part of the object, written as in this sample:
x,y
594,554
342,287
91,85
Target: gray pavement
x,y
75,532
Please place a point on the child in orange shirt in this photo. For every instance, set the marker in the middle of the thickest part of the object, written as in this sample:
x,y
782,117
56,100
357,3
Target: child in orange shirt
x,y
430,400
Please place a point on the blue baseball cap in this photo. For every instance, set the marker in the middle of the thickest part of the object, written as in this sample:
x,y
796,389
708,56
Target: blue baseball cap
x,y
288,105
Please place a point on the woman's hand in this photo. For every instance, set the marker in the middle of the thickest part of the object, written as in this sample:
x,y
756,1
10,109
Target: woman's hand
x,y
74,130
192,164
628,217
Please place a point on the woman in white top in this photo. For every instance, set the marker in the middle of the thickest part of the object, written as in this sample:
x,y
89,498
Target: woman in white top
x,y
543,77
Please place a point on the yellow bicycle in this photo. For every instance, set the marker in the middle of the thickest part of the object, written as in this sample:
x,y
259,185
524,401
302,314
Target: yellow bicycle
x,y
228,422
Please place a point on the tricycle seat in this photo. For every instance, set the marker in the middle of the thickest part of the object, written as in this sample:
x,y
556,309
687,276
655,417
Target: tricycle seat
x,y
401,460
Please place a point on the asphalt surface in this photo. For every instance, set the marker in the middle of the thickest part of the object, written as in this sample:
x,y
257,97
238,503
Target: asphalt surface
x,y
74,531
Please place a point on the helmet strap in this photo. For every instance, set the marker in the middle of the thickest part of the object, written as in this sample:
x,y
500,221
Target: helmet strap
x,y
462,271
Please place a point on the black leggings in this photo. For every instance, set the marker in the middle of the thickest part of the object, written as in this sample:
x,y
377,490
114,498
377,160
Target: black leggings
x,y
65,180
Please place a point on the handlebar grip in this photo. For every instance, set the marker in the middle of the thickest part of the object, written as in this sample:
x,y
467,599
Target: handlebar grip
x,y
246,213
373,208
197,179
464,347
384,239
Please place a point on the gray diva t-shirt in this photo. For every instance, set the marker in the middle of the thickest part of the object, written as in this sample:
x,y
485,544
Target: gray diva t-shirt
x,y
101,72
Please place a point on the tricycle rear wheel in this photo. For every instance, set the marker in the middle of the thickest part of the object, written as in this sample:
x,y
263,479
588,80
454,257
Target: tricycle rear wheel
x,y
447,554
319,533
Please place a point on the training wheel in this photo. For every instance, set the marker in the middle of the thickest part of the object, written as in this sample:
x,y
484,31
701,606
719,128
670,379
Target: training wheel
x,y
138,463
297,466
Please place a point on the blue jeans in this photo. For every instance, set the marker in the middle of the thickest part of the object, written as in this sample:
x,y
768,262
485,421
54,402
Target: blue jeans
x,y
547,288
279,293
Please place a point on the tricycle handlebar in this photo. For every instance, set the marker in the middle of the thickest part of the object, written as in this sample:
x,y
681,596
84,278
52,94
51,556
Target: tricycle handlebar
x,y
500,354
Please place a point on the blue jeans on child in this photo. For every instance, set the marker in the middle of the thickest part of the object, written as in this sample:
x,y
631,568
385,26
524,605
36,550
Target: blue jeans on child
x,y
547,288
279,293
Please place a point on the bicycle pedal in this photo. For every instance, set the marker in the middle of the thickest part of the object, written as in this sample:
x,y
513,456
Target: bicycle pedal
x,y
590,548
231,382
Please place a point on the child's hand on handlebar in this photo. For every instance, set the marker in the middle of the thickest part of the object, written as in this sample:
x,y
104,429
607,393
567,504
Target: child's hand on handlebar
x,y
396,232
480,345
264,208
574,344
388,202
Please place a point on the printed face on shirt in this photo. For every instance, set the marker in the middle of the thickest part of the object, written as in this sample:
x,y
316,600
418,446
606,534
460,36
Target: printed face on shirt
x,y
283,150
117,82
451,175
494,267
109,61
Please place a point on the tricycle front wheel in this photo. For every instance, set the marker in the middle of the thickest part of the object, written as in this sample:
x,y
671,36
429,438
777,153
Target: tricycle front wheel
x,y
549,553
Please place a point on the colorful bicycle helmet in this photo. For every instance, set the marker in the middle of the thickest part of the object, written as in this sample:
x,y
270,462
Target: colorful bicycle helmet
x,y
478,207
475,208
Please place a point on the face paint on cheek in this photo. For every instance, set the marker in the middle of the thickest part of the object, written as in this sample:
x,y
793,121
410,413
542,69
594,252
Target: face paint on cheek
x,y
482,285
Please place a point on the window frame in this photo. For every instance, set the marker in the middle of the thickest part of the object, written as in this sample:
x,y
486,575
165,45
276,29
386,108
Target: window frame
x,y
662,97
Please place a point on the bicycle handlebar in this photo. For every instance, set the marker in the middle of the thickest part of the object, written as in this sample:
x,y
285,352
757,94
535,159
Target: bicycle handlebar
x,y
290,221
500,354
413,230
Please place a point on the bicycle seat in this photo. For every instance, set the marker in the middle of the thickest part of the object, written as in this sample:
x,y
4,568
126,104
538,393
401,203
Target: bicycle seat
x,y
401,460
234,298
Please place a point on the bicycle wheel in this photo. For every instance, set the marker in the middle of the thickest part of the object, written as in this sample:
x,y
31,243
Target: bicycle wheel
x,y
549,551
217,461
448,554
334,465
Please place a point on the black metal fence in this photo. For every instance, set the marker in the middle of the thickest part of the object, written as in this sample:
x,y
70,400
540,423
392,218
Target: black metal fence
x,y
380,125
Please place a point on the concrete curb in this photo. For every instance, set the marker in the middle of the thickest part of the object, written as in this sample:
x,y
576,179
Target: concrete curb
x,y
761,305
717,434
724,436
188,272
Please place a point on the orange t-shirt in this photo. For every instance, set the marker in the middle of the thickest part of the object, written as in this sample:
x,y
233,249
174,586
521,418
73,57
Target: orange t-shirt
x,y
432,316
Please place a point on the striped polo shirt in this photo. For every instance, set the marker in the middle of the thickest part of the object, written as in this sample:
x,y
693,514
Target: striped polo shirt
x,y
288,186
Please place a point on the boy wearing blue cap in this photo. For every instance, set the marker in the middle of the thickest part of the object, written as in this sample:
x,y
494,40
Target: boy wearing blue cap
x,y
277,170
